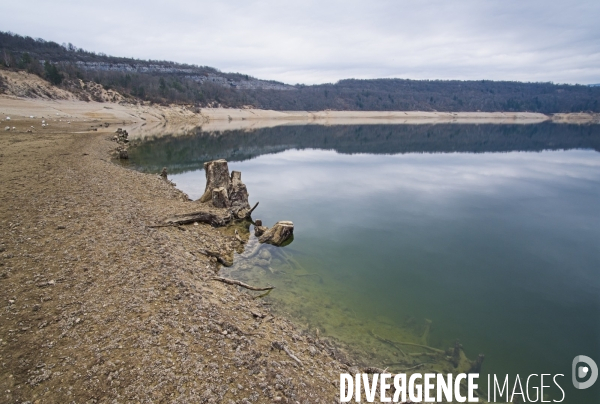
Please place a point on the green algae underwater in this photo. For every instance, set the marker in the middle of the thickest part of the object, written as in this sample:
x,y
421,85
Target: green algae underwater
x,y
411,238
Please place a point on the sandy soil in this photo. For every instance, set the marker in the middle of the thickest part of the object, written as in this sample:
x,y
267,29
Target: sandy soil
x,y
98,307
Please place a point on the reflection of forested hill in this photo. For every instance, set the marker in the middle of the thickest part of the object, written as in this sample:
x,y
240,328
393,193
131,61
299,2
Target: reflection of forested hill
x,y
185,153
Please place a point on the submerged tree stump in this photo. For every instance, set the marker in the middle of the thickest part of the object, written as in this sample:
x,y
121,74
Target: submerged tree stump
x,y
278,234
259,229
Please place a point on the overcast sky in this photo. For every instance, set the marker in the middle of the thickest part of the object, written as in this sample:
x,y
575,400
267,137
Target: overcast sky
x,y
326,40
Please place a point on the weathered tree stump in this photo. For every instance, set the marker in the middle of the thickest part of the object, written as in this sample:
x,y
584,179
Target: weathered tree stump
x,y
220,198
456,354
232,193
476,365
238,193
217,176
278,234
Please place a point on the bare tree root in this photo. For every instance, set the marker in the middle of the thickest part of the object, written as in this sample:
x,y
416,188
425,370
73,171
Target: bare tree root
x,y
389,342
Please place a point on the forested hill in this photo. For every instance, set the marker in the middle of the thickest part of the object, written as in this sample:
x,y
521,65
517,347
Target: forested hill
x,y
169,82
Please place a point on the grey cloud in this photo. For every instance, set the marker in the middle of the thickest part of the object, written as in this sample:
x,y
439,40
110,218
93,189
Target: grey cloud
x,y
324,41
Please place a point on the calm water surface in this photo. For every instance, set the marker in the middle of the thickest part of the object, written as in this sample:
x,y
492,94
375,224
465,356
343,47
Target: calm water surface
x,y
485,234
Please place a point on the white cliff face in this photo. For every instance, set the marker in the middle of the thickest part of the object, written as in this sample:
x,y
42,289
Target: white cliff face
x,y
195,74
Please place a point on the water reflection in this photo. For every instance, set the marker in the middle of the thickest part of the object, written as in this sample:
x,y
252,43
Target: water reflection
x,y
499,250
188,152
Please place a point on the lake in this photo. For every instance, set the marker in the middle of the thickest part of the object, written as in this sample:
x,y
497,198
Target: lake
x,y
422,234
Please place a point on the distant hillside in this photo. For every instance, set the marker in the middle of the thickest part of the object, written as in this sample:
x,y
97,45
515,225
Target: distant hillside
x,y
168,82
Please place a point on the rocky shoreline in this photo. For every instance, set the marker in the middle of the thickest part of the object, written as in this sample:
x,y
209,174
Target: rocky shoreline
x,y
98,306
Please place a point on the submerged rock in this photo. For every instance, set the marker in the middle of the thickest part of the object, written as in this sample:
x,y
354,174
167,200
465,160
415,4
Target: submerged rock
x,y
279,234
264,254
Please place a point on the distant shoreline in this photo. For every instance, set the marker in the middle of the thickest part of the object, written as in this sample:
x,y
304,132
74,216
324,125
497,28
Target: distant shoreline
x,y
149,119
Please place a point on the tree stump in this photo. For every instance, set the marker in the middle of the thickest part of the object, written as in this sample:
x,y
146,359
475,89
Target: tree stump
x,y
220,198
278,234
476,365
259,230
456,354
217,176
238,193
232,193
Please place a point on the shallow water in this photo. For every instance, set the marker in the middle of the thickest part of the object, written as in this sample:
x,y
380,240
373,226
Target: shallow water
x,y
486,234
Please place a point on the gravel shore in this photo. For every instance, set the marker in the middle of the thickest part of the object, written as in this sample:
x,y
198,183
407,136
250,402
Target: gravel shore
x,y
97,307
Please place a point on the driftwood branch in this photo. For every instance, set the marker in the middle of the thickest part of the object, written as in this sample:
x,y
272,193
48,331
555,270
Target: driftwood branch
x,y
238,283
389,342
429,354
420,346
283,347
291,355
394,343
263,294
251,210
201,217
223,260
